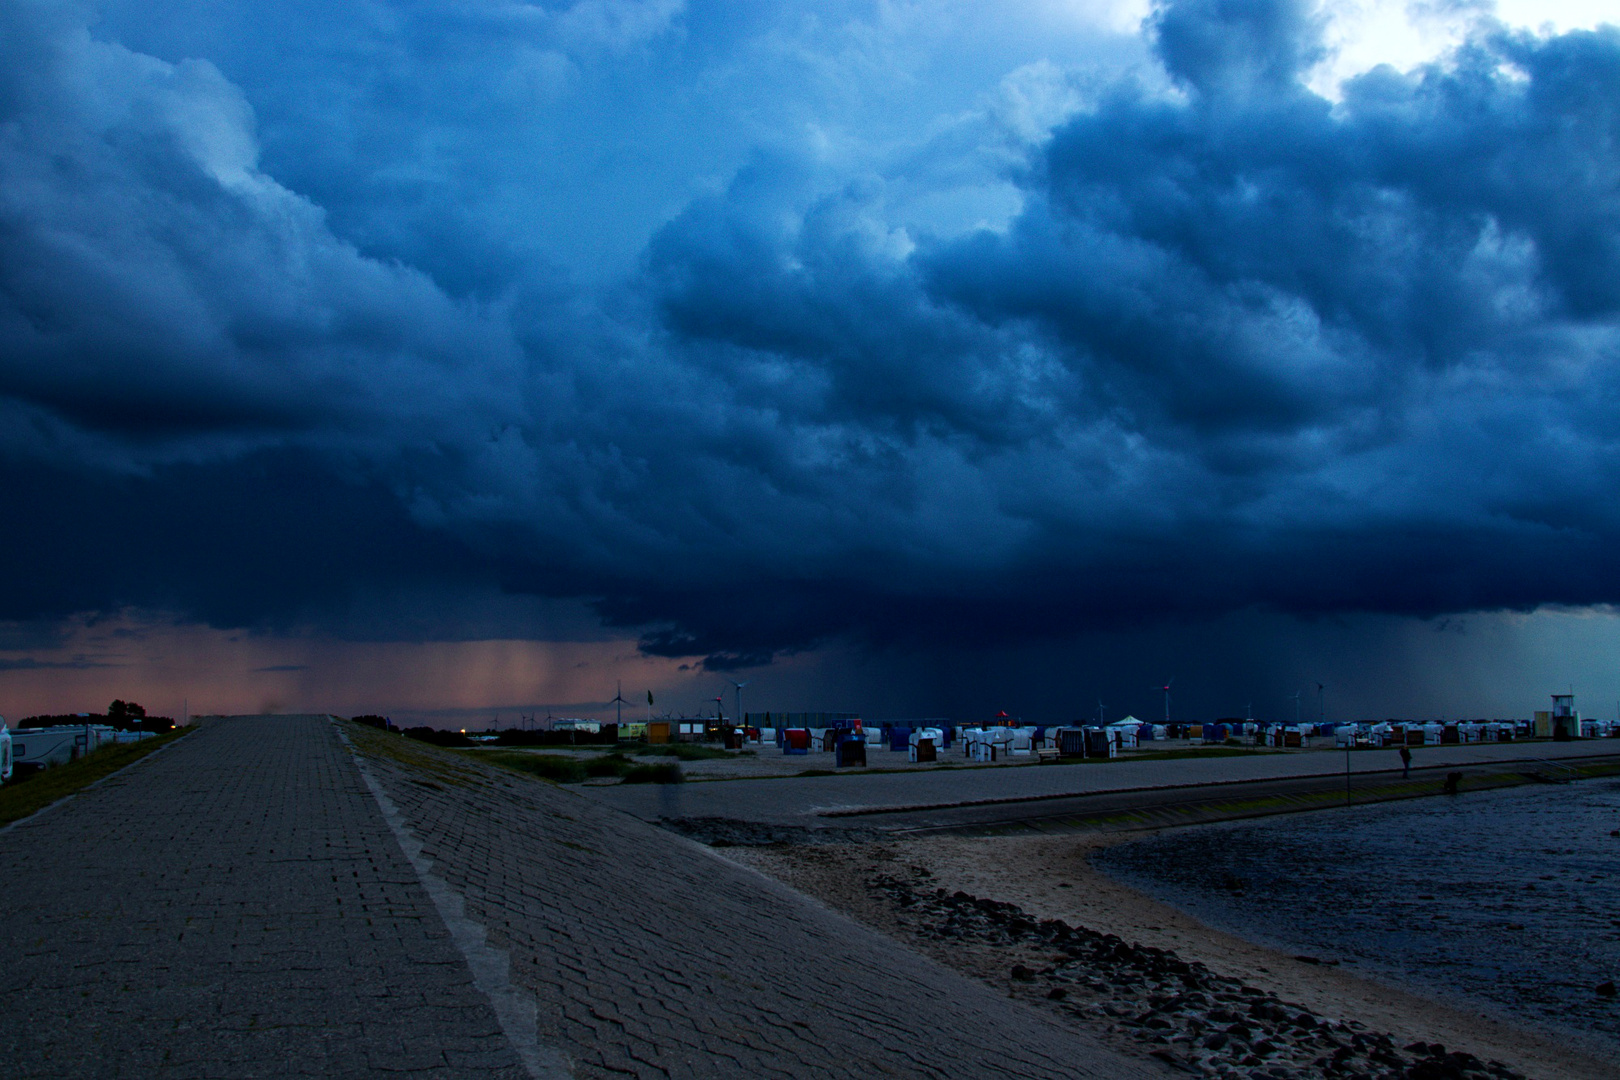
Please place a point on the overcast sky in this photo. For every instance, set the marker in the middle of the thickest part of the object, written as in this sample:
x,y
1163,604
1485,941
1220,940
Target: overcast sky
x,y
446,357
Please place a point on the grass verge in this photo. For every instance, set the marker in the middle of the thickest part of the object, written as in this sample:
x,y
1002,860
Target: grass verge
x,y
18,799
666,772
564,769
690,751
560,768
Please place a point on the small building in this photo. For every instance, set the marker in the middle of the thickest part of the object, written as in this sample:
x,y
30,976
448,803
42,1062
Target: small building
x,y
1560,722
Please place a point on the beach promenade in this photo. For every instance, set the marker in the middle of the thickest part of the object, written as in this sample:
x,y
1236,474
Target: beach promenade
x,y
285,896
863,798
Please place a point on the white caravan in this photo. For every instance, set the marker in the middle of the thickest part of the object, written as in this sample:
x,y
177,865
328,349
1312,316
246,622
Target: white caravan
x,y
42,747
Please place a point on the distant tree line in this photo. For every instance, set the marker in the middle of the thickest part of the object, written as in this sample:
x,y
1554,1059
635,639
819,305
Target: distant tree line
x,y
509,737
121,715
518,737
437,737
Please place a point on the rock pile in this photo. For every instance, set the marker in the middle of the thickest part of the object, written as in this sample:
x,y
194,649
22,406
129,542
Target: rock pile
x,y
1186,1014
729,832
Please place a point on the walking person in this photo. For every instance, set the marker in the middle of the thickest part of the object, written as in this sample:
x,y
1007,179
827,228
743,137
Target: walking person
x,y
1406,763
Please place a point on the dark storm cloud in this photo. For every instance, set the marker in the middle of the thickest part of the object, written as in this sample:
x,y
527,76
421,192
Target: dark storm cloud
x,y
1238,346
1243,345
159,289
1248,47
274,538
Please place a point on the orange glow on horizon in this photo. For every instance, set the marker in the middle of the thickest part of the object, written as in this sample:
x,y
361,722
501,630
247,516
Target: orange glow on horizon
x,y
185,669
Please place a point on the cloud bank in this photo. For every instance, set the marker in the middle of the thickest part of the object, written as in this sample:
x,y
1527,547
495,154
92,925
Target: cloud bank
x,y
1163,333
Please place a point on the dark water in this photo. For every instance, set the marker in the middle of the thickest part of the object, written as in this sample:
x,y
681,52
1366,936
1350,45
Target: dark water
x,y
1510,899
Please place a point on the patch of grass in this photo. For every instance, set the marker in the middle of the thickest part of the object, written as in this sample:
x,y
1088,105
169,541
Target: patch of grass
x,y
817,772
608,765
687,751
18,799
556,767
665,772
413,754
566,769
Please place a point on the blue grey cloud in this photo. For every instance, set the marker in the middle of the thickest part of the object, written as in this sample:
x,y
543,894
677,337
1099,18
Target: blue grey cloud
x,y
1145,331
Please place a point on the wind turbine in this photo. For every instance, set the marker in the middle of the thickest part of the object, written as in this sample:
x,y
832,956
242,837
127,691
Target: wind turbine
x,y
1101,709
1166,689
1321,704
741,719
618,704
1296,707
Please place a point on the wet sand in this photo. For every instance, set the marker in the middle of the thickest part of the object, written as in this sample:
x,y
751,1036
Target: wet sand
x,y
1049,877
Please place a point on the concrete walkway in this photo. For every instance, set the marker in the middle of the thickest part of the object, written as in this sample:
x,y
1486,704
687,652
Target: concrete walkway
x,y
240,905
806,801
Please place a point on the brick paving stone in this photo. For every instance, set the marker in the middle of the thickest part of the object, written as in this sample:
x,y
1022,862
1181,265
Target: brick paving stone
x,y
650,956
239,906
234,906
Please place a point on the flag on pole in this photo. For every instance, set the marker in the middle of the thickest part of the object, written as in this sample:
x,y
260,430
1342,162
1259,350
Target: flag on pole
x,y
649,697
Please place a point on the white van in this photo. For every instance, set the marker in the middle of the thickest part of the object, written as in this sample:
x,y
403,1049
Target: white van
x,y
5,751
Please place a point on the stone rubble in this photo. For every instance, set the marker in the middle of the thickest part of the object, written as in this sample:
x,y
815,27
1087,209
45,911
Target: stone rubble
x,y
1183,1013
729,832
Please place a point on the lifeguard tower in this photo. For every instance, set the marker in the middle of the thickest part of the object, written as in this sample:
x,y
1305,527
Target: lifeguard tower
x,y
1561,722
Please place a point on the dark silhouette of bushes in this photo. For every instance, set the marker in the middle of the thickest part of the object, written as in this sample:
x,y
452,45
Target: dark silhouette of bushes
x,y
439,738
120,715
667,772
517,737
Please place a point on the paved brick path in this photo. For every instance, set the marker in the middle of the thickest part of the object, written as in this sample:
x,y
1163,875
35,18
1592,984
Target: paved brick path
x,y
650,956
234,906
239,905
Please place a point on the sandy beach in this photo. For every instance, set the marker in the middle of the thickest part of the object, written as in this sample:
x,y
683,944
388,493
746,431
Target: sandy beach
x,y
1050,878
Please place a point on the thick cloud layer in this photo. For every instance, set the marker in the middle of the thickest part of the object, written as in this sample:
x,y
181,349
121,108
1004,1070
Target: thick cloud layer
x,y
1112,343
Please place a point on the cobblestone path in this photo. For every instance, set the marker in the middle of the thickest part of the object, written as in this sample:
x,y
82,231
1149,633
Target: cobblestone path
x,y
234,906
650,956
257,901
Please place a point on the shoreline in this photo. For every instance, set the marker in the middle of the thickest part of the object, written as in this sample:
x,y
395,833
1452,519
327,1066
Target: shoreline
x,y
1050,877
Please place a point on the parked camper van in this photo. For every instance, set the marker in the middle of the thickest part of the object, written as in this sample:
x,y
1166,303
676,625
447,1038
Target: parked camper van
x,y
39,748
5,751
